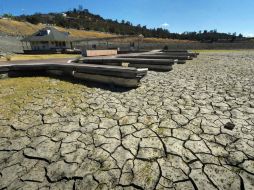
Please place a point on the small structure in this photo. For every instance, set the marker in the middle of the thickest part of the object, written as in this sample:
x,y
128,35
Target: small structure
x,y
48,40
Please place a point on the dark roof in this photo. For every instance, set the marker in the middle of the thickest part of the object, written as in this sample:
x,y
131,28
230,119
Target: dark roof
x,y
48,34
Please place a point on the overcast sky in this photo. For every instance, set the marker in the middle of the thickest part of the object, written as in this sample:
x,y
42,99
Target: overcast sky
x,y
175,15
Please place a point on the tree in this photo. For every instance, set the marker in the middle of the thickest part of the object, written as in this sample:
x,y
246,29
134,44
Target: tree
x,y
8,15
34,19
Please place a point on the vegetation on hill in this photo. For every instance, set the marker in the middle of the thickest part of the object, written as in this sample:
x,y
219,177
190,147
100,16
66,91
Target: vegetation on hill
x,y
82,19
19,28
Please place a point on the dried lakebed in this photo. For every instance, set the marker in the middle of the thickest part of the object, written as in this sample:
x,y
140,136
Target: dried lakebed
x,y
174,131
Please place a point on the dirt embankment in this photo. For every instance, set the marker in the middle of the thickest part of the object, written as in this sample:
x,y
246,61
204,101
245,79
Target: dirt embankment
x,y
12,31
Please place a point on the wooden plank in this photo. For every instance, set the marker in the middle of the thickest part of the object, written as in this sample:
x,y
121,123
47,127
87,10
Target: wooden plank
x,y
99,60
148,66
119,71
175,50
4,69
60,72
153,67
175,54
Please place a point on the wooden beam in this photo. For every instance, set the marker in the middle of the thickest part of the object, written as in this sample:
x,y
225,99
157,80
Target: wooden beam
x,y
103,60
122,76
150,56
125,82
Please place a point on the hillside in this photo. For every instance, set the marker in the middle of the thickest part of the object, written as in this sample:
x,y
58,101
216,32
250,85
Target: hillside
x,y
17,28
82,19
12,31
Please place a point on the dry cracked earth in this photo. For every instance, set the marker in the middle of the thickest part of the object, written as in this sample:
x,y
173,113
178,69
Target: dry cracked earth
x,y
167,134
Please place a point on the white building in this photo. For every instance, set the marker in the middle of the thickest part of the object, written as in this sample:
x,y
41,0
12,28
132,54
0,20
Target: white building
x,y
47,39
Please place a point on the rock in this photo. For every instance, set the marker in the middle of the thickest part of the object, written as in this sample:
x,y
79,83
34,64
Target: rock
x,y
229,126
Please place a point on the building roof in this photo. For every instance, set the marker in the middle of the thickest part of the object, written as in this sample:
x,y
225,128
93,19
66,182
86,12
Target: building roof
x,y
48,34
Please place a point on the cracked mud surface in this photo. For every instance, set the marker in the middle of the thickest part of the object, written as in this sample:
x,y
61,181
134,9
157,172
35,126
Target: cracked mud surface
x,y
167,134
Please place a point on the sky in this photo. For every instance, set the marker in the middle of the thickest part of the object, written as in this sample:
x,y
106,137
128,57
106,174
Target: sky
x,y
174,15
